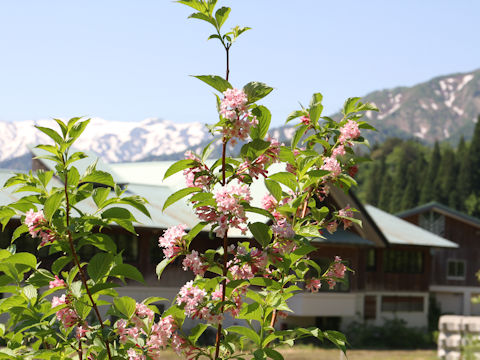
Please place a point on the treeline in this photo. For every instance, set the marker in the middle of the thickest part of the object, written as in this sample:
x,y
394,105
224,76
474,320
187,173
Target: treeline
x,y
405,174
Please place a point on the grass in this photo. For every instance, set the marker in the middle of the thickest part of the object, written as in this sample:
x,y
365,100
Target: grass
x,y
312,353
306,353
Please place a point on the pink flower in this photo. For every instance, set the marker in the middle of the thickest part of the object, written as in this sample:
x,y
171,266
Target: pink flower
x,y
143,311
190,173
35,222
313,284
305,120
332,227
346,212
331,164
194,262
66,315
133,355
82,331
172,240
269,202
234,101
283,229
161,333
56,283
230,210
191,296
349,131
337,271
338,151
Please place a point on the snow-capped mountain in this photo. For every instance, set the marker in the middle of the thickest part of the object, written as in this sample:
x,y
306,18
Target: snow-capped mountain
x,y
443,108
114,141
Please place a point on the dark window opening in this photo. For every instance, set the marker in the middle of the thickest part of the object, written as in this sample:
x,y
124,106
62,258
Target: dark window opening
x,y
371,260
403,261
402,303
456,269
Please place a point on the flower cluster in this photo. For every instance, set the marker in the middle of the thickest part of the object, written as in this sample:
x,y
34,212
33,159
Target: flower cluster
x,y
259,166
197,303
194,262
349,131
37,227
67,315
56,283
233,107
336,272
346,212
172,240
246,263
201,181
148,337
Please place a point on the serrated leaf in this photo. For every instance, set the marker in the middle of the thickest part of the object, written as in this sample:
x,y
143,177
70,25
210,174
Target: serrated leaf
x,y
196,332
221,15
128,271
180,194
99,266
99,177
215,81
254,148
179,166
247,332
22,258
100,195
264,118
295,114
285,178
125,305
274,188
261,232
298,135
256,90
51,134
52,204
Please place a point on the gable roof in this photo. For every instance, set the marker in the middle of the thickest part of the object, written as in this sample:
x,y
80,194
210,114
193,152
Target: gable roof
x,y
441,209
402,232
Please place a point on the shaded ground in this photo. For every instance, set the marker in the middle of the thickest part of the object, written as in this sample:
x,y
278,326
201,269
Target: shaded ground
x,y
321,354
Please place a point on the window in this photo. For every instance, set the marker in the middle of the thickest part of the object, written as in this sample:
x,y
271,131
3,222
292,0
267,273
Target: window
x,y
403,261
456,269
433,222
371,260
402,303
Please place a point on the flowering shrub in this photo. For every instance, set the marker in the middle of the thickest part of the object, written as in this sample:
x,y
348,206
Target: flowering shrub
x,y
250,281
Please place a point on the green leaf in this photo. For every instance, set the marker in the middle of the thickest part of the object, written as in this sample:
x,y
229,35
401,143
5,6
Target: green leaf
x,y
337,338
254,148
285,178
261,232
117,213
77,129
221,15
153,299
125,305
273,354
295,114
60,263
52,204
22,258
256,90
63,127
162,265
195,231
100,195
22,229
257,210
274,188
215,81
99,266
51,134
180,194
128,271
204,17
196,332
100,241
179,166
263,117
30,292
195,4
99,177
349,105
247,332
259,354
298,135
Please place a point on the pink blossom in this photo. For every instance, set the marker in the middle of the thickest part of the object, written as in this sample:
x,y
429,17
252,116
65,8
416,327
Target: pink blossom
x,y
331,164
143,311
230,211
82,331
349,131
56,283
190,173
338,151
191,296
194,262
161,333
133,355
234,101
313,284
346,212
332,227
66,315
283,229
36,222
284,246
305,120
269,202
172,240
337,271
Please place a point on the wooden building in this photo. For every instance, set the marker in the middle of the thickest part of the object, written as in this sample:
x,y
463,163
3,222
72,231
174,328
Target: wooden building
x,y
453,279
391,257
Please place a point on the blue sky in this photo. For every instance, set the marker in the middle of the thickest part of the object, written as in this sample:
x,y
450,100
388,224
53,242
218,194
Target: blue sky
x,y
129,60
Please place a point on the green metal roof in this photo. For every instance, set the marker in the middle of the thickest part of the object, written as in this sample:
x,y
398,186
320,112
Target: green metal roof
x,y
442,209
401,232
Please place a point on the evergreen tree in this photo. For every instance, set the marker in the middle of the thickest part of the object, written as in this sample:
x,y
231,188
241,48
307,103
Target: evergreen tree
x,y
399,181
411,193
445,182
474,153
429,191
464,186
385,192
374,182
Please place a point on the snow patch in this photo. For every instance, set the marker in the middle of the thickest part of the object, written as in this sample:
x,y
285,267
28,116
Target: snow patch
x,y
458,110
446,133
434,106
466,79
422,132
